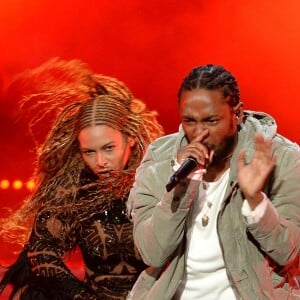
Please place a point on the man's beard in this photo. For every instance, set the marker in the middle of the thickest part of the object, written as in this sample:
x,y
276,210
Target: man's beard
x,y
224,151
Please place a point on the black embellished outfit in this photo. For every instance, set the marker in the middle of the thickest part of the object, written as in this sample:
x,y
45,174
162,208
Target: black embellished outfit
x,y
104,237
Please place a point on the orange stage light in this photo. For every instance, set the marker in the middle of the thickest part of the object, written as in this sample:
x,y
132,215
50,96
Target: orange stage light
x,y
17,184
4,184
30,185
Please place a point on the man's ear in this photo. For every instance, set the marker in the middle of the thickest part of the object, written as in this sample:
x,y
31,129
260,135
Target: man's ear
x,y
238,111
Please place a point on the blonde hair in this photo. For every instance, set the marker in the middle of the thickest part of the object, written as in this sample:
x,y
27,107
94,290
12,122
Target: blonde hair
x,y
77,98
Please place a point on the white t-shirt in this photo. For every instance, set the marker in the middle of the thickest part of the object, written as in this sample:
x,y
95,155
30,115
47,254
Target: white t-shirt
x,y
205,274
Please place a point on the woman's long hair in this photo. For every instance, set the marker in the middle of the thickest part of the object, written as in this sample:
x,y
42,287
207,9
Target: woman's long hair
x,y
63,90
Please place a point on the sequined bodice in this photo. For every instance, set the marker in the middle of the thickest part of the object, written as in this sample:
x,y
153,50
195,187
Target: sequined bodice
x,y
112,262
106,243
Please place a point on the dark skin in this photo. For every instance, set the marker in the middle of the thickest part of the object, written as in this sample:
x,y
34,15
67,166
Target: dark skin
x,y
210,125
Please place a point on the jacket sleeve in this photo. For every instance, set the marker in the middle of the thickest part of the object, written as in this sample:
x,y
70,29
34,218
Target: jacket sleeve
x,y
278,232
159,216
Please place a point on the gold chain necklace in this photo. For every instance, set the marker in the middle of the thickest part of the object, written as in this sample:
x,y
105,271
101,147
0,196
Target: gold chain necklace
x,y
209,204
205,218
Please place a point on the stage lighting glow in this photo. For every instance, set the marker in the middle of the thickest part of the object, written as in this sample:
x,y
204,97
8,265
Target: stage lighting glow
x,y
30,185
4,184
17,184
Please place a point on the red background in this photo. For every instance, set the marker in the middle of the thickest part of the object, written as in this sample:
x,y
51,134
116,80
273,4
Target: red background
x,y
151,45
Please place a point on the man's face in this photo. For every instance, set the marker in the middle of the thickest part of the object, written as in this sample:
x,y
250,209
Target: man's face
x,y
105,149
202,109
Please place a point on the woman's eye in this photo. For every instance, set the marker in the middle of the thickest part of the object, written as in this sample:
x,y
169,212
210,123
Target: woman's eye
x,y
88,152
109,148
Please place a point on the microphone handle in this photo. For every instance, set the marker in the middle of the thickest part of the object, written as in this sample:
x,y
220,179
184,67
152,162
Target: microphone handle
x,y
184,170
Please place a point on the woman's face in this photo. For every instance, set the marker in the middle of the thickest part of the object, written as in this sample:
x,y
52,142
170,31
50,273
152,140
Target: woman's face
x,y
105,149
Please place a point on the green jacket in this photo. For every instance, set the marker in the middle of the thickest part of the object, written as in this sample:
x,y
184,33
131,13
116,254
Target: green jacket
x,y
254,255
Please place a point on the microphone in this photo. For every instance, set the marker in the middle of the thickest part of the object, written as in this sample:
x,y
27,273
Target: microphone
x,y
184,170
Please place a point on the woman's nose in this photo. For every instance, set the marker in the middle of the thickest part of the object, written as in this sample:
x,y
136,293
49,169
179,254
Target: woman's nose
x,y
101,160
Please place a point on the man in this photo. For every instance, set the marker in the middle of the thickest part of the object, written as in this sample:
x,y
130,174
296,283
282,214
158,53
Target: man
x,y
230,229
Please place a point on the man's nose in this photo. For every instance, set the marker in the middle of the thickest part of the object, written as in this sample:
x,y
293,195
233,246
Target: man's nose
x,y
199,128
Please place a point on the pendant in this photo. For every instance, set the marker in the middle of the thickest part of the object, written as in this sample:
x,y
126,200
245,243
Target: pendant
x,y
205,220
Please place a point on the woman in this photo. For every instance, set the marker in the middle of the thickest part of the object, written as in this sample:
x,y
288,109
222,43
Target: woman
x,y
84,172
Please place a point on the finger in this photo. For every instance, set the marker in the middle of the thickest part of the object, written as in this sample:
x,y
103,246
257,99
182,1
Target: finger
x,y
211,156
263,149
197,143
195,152
201,136
195,149
261,143
241,159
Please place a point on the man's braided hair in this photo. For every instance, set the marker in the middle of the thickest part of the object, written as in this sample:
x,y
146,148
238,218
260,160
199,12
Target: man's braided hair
x,y
212,77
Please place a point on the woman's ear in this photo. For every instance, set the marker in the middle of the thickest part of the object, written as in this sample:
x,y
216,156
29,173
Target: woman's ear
x,y
131,141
